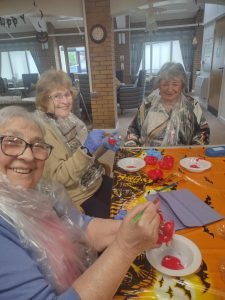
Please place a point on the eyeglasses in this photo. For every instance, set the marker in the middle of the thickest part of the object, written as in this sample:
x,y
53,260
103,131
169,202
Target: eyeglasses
x,y
60,96
14,146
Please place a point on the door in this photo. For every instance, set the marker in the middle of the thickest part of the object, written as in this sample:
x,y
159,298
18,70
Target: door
x,y
217,67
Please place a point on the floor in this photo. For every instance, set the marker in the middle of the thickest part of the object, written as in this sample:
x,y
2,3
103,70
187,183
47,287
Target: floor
x,y
217,129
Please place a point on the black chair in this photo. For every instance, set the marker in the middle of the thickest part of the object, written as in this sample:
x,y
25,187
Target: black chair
x,y
119,75
131,96
85,96
4,90
29,80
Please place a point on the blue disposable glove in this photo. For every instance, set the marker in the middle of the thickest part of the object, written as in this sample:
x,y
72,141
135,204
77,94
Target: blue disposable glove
x,y
112,142
94,140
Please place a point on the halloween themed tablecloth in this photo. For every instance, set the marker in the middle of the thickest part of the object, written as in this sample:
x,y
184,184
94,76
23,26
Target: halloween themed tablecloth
x,y
142,280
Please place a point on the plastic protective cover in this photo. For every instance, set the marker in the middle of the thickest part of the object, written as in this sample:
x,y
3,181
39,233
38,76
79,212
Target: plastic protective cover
x,y
50,228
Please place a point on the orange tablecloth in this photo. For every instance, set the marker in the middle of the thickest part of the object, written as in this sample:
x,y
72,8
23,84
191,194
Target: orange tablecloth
x,y
142,280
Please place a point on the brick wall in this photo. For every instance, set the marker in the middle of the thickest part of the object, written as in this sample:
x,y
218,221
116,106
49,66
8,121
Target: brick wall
x,y
102,63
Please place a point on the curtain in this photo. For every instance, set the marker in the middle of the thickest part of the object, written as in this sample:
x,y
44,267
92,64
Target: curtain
x,y
187,51
185,37
137,48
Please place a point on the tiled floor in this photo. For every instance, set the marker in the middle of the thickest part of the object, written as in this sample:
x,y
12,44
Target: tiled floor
x,y
217,129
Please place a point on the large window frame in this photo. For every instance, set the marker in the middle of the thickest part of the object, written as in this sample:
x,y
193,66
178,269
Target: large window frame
x,y
11,71
165,53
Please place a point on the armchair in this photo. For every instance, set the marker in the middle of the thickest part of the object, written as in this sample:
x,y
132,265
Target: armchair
x,y
131,96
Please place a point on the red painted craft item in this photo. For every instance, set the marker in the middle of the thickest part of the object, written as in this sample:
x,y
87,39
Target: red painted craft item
x,y
111,140
167,162
166,232
172,262
151,160
155,174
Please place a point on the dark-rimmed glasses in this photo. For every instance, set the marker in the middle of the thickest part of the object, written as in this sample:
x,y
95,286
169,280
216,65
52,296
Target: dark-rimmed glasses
x,y
14,146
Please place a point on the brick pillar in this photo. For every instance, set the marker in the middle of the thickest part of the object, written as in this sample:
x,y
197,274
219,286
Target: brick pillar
x,y
102,64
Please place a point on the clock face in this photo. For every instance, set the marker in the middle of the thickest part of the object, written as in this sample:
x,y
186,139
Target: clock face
x,y
98,33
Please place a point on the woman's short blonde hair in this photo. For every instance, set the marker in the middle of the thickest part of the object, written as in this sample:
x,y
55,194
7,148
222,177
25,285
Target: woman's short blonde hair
x,y
49,82
170,71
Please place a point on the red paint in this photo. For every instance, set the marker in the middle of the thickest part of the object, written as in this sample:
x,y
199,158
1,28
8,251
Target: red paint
x,y
131,167
166,162
194,166
151,160
161,218
166,232
155,174
111,141
172,262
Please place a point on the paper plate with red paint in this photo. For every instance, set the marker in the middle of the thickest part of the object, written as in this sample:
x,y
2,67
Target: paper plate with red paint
x,y
131,164
195,164
182,257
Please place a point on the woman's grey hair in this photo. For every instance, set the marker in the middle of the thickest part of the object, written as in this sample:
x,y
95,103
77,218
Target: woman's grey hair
x,y
11,112
170,71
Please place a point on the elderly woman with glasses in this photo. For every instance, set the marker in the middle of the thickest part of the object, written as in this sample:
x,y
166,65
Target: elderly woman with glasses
x,y
74,159
47,247
169,117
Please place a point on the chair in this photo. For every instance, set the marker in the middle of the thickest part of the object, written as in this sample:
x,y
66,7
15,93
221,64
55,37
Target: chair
x,y
119,75
131,96
4,90
29,80
85,96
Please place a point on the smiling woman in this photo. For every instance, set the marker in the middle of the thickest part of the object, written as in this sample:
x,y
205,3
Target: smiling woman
x,y
40,228
169,117
23,150
74,160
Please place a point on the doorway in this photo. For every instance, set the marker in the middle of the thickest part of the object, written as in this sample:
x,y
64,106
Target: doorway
x,y
73,59
217,67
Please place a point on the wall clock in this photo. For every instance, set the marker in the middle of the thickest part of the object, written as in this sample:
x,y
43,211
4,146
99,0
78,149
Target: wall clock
x,y
98,33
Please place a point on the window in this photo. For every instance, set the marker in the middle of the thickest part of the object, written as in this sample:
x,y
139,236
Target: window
x,y
76,59
156,54
17,63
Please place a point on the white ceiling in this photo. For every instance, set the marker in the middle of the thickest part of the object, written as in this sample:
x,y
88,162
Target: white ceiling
x,y
70,13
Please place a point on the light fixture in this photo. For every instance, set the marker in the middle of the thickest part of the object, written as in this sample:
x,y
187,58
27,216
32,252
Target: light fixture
x,y
151,25
194,41
121,37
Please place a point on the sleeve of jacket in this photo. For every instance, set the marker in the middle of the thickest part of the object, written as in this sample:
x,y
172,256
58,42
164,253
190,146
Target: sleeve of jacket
x,y
61,166
202,130
134,130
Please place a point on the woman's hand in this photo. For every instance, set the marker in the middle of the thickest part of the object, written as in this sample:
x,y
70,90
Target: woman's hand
x,y
133,236
94,140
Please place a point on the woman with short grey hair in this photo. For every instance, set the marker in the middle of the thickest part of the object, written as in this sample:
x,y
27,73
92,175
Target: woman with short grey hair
x,y
169,117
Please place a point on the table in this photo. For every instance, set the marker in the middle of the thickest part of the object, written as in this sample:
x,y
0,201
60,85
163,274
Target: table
x,y
142,280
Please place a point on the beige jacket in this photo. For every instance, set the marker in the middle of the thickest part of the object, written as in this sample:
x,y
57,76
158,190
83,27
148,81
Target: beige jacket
x,y
67,169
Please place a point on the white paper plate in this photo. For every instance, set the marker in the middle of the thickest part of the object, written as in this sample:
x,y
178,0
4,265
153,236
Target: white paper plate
x,y
182,248
131,164
195,164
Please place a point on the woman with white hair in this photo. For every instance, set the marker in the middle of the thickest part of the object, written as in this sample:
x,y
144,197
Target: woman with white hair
x,y
47,247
